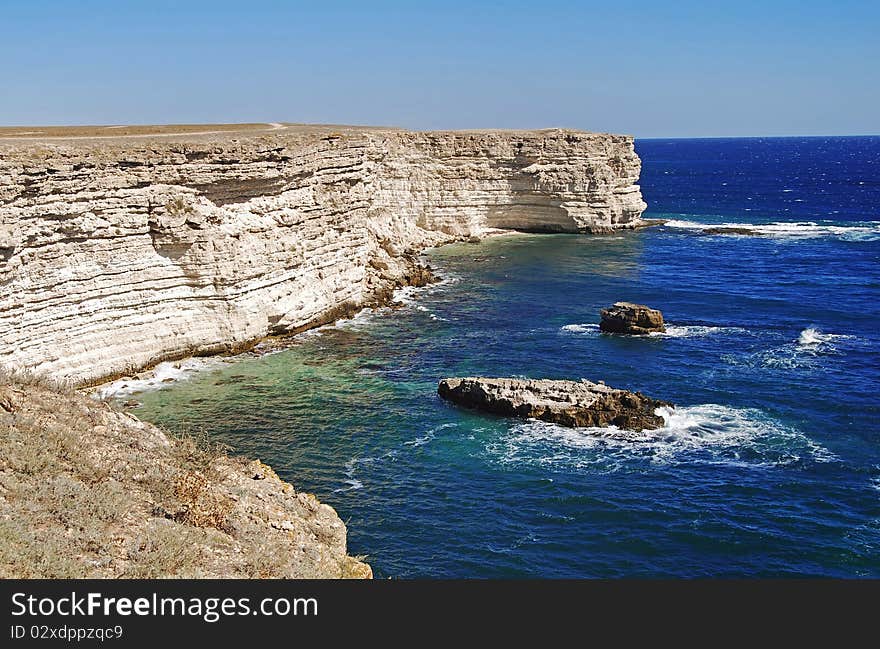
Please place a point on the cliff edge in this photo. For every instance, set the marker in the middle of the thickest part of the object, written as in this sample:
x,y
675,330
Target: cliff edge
x,y
87,491
121,248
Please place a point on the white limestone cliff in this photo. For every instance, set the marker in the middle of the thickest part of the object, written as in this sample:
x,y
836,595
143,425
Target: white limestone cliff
x,y
118,253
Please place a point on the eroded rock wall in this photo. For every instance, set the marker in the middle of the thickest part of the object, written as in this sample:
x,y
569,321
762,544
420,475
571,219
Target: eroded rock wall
x,y
118,253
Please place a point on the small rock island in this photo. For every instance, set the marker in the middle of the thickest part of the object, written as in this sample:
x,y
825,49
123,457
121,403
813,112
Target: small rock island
x,y
568,403
633,319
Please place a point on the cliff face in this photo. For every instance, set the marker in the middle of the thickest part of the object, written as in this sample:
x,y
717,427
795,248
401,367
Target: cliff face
x,y
119,252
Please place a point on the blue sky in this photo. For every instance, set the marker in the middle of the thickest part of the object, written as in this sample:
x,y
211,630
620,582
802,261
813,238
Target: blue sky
x,y
680,68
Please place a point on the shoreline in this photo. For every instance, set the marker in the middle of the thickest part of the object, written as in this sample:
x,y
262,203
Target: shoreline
x,y
144,502
121,254
387,300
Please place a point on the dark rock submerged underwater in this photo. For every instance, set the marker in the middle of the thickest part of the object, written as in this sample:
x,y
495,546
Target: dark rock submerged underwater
x,y
768,466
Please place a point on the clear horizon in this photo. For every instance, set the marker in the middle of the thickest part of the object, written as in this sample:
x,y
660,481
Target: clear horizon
x,y
751,70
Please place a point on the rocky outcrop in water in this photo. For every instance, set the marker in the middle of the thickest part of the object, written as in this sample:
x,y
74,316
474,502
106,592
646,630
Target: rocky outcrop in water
x,y
729,229
117,253
633,319
568,403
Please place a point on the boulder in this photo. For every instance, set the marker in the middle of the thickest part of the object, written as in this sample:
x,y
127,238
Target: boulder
x,y
629,318
568,403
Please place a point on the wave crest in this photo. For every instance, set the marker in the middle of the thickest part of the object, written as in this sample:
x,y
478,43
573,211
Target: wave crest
x,y
159,377
672,330
858,231
811,337
585,328
703,434
806,352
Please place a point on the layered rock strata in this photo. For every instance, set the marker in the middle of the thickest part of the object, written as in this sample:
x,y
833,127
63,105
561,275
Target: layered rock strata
x,y
117,253
568,403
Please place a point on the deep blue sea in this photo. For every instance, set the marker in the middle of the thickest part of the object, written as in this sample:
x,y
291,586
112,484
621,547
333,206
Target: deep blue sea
x,y
769,466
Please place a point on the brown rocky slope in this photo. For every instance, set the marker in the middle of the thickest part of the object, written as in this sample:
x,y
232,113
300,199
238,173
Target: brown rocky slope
x,y
88,491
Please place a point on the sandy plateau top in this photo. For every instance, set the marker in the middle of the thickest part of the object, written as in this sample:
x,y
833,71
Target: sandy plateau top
x,y
139,135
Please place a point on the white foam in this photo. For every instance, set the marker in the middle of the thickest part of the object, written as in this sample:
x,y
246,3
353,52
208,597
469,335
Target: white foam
x,y
317,332
408,296
672,331
875,481
685,225
805,352
429,436
351,467
358,320
861,231
703,434
405,295
693,331
351,483
419,441
586,328
159,377
813,337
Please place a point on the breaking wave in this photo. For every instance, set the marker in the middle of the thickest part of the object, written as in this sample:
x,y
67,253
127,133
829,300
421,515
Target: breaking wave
x,y
167,373
429,436
672,331
857,231
703,434
875,481
159,377
351,481
586,328
804,352
814,339
694,331
406,296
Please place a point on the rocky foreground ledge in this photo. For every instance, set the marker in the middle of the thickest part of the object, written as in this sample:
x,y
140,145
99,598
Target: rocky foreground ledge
x,y
87,491
568,403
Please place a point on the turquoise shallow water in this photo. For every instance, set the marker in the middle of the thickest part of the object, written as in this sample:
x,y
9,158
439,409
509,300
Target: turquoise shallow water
x,y
769,466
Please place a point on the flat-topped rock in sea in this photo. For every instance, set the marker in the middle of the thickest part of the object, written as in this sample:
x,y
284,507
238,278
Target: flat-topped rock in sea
x,y
633,319
729,229
568,403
